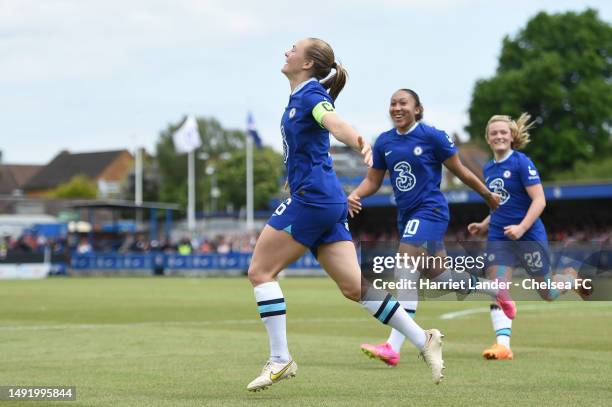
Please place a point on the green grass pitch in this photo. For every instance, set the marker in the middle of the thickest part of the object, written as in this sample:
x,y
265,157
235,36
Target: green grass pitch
x,y
194,342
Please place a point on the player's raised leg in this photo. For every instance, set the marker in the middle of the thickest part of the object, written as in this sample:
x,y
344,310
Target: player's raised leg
x,y
534,256
474,284
389,351
340,261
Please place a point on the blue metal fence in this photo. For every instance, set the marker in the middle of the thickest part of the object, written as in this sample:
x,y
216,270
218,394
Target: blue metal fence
x,y
131,261
560,257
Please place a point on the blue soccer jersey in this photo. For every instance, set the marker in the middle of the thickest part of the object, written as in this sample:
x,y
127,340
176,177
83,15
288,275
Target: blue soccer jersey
x,y
414,161
310,173
509,178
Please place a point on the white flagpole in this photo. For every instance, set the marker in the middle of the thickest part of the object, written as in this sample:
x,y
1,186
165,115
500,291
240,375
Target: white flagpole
x,y
249,186
138,178
186,140
191,191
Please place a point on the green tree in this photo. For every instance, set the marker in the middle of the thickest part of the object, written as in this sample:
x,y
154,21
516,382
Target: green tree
x,y
79,186
558,69
267,172
224,150
173,167
587,171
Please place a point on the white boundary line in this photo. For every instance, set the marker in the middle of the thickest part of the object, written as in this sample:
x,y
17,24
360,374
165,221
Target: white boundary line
x,y
535,307
253,321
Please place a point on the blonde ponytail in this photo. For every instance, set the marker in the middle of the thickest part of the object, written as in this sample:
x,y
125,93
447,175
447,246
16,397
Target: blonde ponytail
x,y
519,129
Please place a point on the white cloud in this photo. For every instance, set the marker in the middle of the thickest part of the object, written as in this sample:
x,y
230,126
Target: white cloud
x,y
72,39
132,66
448,119
417,5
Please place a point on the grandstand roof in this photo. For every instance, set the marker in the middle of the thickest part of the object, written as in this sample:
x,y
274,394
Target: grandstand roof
x,y
553,192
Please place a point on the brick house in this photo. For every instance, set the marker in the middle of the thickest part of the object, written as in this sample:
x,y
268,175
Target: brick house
x,y
108,169
13,177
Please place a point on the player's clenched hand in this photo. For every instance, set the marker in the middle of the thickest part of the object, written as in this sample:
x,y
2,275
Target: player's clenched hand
x,y
514,232
477,229
493,200
354,204
366,151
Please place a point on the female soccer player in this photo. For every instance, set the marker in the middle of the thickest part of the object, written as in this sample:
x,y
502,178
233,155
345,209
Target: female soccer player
x,y
516,235
315,216
414,153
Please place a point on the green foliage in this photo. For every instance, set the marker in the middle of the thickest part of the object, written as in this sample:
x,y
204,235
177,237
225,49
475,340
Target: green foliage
x,y
587,171
267,170
558,69
173,166
79,186
225,151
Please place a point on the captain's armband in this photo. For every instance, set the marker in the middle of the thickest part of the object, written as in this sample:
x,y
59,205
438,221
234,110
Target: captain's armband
x,y
321,109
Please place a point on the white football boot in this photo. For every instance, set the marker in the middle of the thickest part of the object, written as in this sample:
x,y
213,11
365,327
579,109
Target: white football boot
x,y
432,354
271,373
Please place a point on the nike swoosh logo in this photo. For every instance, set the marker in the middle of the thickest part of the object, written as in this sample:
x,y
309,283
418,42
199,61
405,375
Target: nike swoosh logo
x,y
387,153
277,375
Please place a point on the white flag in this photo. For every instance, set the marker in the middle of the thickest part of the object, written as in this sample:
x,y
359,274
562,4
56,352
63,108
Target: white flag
x,y
187,137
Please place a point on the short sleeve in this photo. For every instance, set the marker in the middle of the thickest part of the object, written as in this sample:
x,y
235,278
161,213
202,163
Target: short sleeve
x,y
444,146
378,155
529,173
486,171
319,104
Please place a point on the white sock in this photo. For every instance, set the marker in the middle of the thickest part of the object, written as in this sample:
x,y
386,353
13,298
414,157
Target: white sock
x,y
408,299
453,276
402,322
396,339
272,310
502,325
387,310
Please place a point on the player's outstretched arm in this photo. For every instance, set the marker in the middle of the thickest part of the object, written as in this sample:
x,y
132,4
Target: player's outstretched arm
x,y
466,176
370,184
344,133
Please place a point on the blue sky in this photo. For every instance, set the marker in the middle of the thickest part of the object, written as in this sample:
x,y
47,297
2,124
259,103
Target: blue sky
x,y
100,75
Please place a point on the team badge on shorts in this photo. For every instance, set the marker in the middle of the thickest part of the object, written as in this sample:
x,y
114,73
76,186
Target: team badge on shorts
x,y
507,174
418,150
292,113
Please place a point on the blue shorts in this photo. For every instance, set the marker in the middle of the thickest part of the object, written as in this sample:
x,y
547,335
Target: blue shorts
x,y
312,224
530,252
419,229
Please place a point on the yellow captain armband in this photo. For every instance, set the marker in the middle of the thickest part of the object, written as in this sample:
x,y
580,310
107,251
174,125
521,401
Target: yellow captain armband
x,y
321,109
